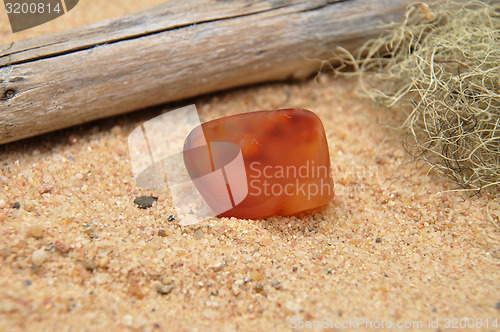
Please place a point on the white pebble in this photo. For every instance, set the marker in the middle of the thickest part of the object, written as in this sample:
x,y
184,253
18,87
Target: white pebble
x,y
293,306
2,203
38,257
127,320
101,278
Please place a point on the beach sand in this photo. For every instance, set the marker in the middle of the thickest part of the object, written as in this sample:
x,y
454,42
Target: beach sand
x,y
395,246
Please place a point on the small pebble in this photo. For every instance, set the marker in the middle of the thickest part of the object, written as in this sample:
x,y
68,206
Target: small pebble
x,y
35,231
84,188
162,233
128,320
38,257
378,240
89,265
276,284
45,188
236,287
497,306
90,231
135,290
293,306
16,205
29,206
198,234
294,269
165,289
2,204
73,139
101,278
103,262
27,282
171,217
256,275
194,226
61,246
144,202
218,267
116,130
259,287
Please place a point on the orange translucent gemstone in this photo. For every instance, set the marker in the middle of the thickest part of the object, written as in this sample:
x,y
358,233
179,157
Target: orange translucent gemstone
x,y
285,169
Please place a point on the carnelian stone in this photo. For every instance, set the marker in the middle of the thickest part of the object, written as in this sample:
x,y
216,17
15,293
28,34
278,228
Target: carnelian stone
x,y
285,166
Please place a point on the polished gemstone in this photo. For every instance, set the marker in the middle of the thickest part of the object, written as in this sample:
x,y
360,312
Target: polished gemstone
x,y
269,163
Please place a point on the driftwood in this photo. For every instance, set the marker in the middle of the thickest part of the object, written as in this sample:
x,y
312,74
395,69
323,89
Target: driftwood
x,y
177,50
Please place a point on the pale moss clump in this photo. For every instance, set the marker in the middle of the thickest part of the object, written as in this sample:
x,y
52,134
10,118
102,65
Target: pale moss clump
x,y
441,65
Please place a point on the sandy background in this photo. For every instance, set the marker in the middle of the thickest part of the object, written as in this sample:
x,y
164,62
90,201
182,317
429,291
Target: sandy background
x,y
77,254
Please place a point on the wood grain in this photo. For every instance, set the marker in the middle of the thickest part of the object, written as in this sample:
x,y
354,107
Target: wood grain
x,y
177,50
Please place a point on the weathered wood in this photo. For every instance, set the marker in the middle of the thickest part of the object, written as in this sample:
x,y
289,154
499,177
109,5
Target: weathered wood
x,y
177,50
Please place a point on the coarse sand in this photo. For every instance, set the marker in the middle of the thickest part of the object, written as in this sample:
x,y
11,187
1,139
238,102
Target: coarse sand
x,y
395,246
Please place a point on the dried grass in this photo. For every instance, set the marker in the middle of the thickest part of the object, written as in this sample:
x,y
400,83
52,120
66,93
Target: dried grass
x,y
441,66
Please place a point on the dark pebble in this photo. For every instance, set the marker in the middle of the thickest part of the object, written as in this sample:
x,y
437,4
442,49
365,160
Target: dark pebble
x,y
378,240
89,265
16,205
276,284
144,202
27,282
294,268
73,139
162,233
171,217
497,306
165,289
259,288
